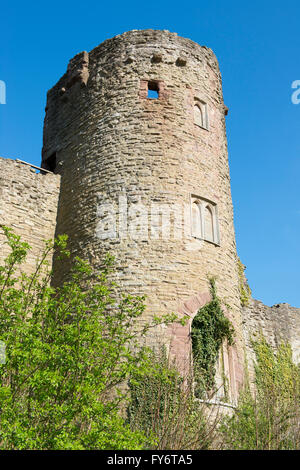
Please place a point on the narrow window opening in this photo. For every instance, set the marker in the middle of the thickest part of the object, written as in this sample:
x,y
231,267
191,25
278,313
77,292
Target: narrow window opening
x,y
208,224
200,114
50,163
196,220
153,90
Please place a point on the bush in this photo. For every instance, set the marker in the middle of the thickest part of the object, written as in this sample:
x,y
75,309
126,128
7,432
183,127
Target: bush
x,y
164,408
269,417
67,356
71,350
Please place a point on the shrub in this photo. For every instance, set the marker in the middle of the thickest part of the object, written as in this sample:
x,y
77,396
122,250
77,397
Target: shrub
x,y
268,417
69,351
164,408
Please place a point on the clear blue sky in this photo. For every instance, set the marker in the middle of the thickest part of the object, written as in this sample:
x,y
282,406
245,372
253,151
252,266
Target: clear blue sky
x,y
257,44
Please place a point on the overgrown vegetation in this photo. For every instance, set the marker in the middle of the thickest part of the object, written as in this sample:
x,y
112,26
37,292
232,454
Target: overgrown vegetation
x,y
245,291
70,352
67,356
210,328
164,407
268,418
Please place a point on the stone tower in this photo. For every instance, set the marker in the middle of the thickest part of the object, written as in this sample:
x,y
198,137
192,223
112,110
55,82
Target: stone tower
x,y
136,129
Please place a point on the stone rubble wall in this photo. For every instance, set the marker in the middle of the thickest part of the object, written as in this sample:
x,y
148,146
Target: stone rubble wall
x,y
28,204
278,323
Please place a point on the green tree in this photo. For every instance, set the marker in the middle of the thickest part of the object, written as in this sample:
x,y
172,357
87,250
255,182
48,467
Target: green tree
x,y
69,352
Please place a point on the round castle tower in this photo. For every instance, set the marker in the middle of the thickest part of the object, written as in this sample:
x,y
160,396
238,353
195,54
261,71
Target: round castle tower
x,y
136,128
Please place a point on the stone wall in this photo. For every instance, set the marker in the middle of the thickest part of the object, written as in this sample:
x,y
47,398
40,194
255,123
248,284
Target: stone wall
x,y
278,323
28,204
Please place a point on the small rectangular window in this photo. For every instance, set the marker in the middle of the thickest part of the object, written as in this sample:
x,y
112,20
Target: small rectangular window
x,y
153,90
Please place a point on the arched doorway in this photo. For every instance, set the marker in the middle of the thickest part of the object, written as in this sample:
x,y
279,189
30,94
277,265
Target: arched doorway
x,y
181,346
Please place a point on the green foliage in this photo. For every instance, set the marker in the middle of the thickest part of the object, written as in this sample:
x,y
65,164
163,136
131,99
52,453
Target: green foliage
x,y
148,392
245,291
165,409
269,417
67,355
210,328
70,352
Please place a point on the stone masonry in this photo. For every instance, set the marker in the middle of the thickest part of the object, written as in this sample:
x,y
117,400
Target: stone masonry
x,y
278,323
110,139
28,204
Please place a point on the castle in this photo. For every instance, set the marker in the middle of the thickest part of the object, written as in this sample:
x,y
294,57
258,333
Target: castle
x,y
135,163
